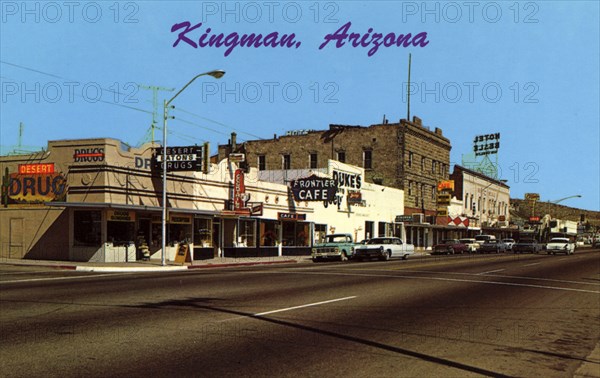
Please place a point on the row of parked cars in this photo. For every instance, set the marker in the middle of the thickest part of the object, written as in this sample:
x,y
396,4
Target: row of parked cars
x,y
489,244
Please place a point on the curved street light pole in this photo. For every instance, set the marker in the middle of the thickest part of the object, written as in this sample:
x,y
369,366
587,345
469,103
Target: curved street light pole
x,y
565,198
217,74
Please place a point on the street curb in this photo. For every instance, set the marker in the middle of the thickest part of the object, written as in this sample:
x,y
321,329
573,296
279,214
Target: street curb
x,y
224,265
127,269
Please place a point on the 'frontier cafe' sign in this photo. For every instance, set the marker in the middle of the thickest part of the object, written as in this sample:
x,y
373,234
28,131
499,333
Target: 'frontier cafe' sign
x,y
314,188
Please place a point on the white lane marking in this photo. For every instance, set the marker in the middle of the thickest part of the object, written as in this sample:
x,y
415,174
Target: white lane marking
x,y
532,264
303,306
491,271
491,275
436,279
63,278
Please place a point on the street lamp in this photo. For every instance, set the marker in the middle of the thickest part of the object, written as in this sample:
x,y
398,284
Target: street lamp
x,y
217,74
566,198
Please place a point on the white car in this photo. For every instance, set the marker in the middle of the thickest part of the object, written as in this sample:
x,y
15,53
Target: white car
x,y
383,248
509,243
560,245
472,245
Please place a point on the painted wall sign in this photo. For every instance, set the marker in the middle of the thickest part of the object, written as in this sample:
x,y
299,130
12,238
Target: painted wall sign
x,y
88,155
36,188
36,169
180,219
404,218
179,159
313,188
347,180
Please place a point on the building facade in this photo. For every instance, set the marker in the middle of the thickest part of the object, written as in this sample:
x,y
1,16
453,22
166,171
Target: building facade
x,y
100,200
481,203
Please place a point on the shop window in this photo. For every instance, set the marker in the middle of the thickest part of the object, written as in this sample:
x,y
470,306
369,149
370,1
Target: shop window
x,y
120,233
269,233
246,233
369,226
203,232
262,162
296,234
381,228
313,160
87,227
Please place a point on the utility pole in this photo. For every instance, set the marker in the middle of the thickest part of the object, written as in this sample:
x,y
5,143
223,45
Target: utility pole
x,y
154,90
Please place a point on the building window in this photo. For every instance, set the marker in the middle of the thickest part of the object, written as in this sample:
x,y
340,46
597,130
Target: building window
x,y
313,160
262,162
433,192
423,164
433,166
341,156
269,233
410,188
287,161
410,159
87,227
246,233
368,159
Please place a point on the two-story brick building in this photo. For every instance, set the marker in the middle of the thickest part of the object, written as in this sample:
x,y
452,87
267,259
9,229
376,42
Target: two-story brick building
x,y
404,155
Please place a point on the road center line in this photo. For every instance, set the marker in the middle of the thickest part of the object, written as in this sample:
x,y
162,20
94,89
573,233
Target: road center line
x,y
532,264
63,278
303,306
491,271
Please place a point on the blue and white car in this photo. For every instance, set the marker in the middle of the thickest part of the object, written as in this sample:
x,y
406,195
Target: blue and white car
x,y
560,245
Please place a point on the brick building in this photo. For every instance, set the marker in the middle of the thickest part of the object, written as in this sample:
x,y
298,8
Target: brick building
x,y
404,155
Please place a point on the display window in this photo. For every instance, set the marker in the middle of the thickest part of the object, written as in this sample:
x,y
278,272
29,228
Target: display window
x,y
87,227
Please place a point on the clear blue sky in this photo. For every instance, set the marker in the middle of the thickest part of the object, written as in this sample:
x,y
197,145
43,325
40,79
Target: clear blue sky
x,y
528,70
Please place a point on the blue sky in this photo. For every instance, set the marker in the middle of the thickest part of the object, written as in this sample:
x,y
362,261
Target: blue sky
x,y
528,70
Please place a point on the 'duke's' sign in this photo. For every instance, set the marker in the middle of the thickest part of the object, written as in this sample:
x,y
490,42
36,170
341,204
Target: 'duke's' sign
x,y
314,188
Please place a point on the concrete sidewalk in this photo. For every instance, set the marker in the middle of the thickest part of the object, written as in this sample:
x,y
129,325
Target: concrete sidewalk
x,y
154,265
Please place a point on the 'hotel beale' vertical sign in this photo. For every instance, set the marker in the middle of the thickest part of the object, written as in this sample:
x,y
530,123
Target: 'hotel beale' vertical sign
x,y
179,158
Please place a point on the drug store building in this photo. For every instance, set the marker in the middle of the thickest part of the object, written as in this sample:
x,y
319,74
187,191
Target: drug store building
x,y
100,200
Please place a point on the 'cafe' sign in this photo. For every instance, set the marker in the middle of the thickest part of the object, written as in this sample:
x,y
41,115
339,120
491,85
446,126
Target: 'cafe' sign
x,y
313,188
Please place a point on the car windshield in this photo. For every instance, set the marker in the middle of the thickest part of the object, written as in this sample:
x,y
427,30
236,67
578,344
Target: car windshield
x,y
337,238
467,241
559,240
491,241
527,241
380,241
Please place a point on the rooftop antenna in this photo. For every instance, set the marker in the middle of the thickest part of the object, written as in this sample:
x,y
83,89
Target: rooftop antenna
x,y
154,90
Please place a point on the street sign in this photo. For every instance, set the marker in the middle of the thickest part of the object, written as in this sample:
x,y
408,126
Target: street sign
x,y
404,218
179,159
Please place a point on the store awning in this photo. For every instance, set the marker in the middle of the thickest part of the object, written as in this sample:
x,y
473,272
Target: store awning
x,y
104,205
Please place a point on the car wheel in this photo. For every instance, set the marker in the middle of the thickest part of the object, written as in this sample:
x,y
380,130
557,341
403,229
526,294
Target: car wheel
x,y
315,259
386,255
404,257
343,256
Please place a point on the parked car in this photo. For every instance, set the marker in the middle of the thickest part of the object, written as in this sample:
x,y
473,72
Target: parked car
x,y
335,246
527,245
449,247
483,238
508,243
560,245
471,244
384,248
492,245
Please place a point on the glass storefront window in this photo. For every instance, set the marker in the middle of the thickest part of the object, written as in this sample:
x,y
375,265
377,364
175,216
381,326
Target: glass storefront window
x,y
296,234
87,227
320,232
246,233
120,233
269,233
203,232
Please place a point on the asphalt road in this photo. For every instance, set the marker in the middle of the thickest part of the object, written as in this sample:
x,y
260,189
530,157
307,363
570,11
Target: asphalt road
x,y
447,316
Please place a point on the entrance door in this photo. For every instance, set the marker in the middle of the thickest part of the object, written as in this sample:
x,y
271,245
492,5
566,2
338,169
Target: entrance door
x,y
217,240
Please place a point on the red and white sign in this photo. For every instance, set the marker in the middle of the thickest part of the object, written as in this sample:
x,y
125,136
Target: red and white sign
x,y
458,221
36,169
239,190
